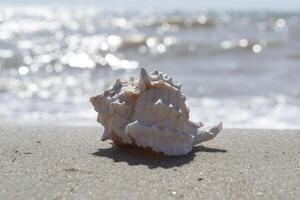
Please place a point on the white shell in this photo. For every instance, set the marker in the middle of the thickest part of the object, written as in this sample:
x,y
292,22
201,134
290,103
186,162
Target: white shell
x,y
150,112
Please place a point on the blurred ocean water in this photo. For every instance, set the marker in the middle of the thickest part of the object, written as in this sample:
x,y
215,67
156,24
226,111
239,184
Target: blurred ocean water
x,y
239,67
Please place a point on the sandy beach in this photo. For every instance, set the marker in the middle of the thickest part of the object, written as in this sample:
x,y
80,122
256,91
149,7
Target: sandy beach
x,y
72,163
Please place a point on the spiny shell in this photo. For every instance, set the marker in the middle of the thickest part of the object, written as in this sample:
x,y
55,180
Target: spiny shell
x,y
150,112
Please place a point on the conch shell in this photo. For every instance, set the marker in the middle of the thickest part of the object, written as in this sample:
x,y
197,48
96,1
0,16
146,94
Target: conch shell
x,y
150,112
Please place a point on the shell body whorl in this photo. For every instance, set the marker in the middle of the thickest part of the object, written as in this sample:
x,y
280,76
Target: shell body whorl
x,y
150,112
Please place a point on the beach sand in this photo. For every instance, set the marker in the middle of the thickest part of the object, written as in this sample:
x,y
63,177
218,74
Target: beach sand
x,y
72,163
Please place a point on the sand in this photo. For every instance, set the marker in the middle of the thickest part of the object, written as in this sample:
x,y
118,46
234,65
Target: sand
x,y
72,163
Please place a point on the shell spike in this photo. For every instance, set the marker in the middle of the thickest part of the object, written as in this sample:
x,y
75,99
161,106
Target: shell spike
x,y
207,133
118,83
105,136
117,86
155,73
145,81
160,76
93,101
179,86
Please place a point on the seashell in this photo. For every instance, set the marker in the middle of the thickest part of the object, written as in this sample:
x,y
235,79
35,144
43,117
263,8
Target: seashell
x,y
150,112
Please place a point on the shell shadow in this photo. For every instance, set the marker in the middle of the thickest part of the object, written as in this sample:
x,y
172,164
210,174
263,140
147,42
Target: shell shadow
x,y
134,155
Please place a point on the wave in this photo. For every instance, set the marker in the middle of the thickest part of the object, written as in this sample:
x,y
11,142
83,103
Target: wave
x,y
53,59
238,112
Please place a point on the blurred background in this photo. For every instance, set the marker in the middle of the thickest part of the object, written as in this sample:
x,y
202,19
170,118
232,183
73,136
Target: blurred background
x,y
238,61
